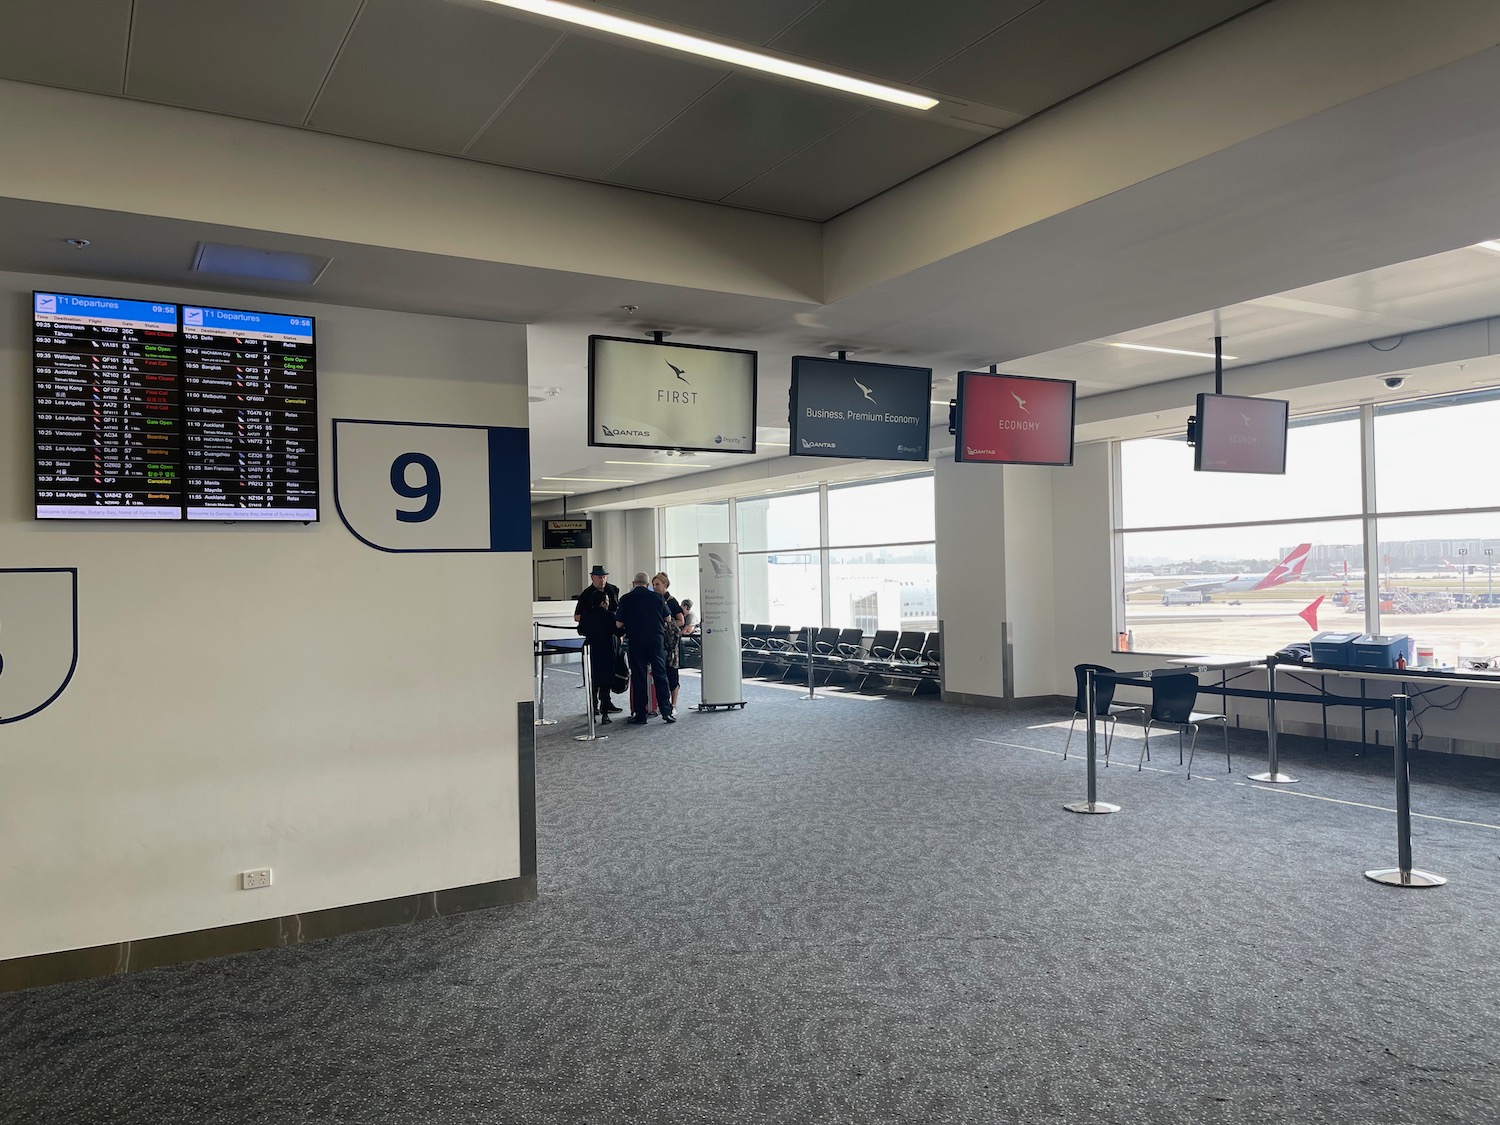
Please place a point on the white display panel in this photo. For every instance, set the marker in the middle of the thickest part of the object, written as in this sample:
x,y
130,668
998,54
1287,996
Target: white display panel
x,y
647,395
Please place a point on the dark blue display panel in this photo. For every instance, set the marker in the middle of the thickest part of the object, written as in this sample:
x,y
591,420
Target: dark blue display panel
x,y
250,393
873,411
108,418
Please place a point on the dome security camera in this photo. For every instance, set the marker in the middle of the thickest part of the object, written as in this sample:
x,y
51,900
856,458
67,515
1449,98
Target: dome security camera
x,y
1394,382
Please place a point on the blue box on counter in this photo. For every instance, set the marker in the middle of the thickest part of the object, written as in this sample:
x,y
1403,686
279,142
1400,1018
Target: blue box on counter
x,y
1334,648
1378,651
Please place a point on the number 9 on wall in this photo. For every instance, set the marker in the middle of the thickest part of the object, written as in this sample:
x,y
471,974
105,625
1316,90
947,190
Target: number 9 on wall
x,y
418,486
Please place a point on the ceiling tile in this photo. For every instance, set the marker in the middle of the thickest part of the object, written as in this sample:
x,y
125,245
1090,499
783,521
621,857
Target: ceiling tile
x,y
1061,47
893,39
734,133
589,105
264,60
428,75
858,160
91,56
753,22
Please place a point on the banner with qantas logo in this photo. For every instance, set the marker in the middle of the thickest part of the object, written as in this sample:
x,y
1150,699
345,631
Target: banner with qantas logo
x,y
644,394
1014,420
846,408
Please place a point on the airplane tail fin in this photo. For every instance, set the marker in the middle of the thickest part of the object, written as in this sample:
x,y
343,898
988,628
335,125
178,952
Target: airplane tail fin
x,y
1310,613
1288,569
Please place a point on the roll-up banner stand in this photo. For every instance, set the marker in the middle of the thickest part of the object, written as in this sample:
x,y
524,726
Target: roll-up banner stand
x,y
719,609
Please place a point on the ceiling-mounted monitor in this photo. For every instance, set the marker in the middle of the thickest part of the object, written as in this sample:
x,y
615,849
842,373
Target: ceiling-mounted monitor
x,y
872,411
645,394
1235,434
1014,419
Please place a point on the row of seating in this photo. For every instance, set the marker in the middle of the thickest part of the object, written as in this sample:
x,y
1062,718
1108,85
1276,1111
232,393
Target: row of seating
x,y
840,657
1173,695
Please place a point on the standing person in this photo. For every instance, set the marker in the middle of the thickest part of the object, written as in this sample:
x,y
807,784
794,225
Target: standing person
x,y
671,634
643,614
595,615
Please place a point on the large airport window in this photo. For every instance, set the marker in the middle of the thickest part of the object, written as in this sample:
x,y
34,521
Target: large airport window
x,y
772,523
891,587
1240,565
782,588
887,511
1242,590
687,525
1158,487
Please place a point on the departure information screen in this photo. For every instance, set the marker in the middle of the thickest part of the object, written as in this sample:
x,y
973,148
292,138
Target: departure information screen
x,y
249,383
108,418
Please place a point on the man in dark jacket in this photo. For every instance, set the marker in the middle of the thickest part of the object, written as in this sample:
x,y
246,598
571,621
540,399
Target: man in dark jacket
x,y
643,613
595,614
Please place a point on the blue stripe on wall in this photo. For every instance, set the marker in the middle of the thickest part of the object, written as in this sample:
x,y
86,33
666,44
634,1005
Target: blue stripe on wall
x,y
510,489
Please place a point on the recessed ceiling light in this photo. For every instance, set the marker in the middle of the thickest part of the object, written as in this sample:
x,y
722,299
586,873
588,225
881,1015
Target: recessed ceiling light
x,y
1166,351
589,480
649,464
720,52
78,243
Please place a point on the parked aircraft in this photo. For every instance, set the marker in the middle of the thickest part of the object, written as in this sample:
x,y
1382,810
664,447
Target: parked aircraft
x,y
1288,569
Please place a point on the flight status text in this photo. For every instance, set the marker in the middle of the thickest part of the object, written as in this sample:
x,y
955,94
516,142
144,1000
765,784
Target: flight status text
x,y
108,420
250,414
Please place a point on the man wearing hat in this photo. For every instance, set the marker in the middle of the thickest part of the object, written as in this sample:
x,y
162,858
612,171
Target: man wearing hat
x,y
595,614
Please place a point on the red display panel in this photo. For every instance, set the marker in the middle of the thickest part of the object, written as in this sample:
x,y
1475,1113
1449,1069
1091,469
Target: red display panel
x,y
1014,420
1240,435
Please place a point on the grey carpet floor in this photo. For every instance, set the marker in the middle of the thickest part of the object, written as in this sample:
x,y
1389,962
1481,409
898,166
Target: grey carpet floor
x,y
858,910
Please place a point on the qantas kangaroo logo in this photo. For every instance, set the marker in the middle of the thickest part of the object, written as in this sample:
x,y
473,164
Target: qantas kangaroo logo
x,y
1021,402
1287,570
677,371
866,391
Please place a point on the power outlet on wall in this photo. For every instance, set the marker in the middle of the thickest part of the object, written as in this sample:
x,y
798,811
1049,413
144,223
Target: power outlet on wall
x,y
251,880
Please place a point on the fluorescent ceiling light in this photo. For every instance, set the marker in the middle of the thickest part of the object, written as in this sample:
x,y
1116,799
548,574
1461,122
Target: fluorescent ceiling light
x,y
1492,246
589,480
721,52
782,444
550,492
1166,351
651,464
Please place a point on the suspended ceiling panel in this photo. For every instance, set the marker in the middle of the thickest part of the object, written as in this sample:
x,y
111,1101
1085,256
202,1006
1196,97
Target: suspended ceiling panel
x,y
467,79
264,60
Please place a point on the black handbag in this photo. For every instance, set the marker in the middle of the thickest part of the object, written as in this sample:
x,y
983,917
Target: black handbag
x,y
621,681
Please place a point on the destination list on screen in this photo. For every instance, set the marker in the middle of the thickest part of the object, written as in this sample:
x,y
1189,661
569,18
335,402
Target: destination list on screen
x,y
108,424
249,383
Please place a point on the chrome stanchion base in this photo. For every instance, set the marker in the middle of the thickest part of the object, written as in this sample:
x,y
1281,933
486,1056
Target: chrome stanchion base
x,y
1097,807
544,722
1395,877
589,737
811,698
1274,778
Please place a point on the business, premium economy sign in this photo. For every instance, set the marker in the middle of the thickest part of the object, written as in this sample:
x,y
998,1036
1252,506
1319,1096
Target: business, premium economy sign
x,y
875,411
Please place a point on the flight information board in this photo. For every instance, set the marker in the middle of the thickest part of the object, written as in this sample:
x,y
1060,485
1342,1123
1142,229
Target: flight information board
x,y
250,412
106,393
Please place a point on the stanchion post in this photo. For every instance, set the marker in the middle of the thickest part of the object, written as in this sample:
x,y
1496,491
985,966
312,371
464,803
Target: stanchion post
x,y
811,695
1091,739
588,689
1273,773
541,677
1403,875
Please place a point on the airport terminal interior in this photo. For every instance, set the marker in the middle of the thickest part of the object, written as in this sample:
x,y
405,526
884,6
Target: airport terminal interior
x,y
1068,419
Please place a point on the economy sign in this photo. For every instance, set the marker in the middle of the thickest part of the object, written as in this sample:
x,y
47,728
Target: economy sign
x,y
649,395
874,411
1013,420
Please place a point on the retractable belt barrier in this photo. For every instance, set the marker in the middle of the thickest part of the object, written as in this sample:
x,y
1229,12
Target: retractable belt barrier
x,y
541,649
1403,875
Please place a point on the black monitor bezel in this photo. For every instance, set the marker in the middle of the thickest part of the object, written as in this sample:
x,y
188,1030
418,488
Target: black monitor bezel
x,y
794,413
1286,416
958,419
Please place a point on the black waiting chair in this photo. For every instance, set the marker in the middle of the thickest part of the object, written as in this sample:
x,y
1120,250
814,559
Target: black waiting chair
x,y
1105,707
882,648
1173,694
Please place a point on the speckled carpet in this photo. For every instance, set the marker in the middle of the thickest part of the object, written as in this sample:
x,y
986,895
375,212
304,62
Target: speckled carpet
x,y
861,910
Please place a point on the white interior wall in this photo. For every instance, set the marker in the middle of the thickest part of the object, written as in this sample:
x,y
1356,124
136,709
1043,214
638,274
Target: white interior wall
x,y
1028,514
971,576
252,695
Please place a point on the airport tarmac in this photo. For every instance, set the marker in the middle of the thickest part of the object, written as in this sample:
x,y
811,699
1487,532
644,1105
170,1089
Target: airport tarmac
x,y
1263,626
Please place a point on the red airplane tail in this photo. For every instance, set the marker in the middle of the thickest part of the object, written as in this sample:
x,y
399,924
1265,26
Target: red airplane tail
x,y
1288,569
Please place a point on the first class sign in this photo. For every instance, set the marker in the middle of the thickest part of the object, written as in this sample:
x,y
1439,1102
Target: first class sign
x,y
645,394
1014,420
